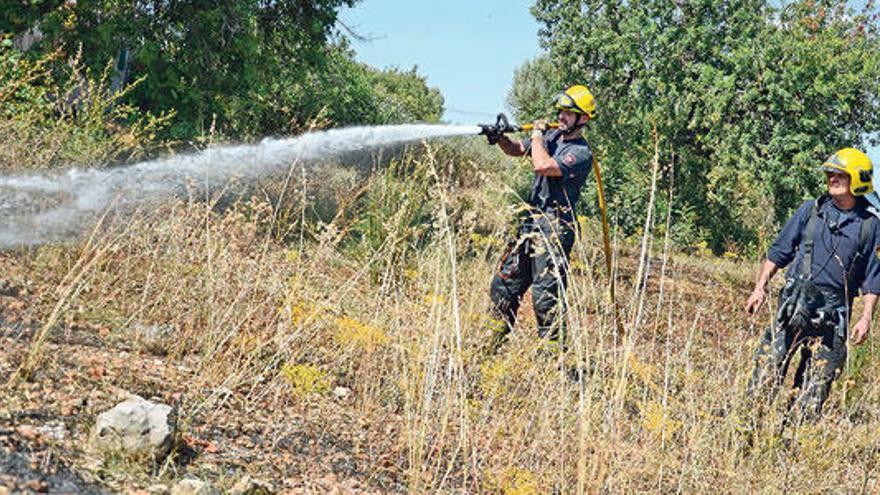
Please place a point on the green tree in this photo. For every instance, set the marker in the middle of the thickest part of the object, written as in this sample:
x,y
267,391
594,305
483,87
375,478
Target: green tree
x,y
17,16
532,84
347,93
243,67
746,95
405,95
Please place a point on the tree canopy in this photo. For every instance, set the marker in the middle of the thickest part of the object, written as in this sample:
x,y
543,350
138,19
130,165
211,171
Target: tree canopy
x,y
747,96
248,68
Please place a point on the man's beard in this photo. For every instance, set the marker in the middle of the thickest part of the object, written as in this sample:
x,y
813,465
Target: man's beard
x,y
569,130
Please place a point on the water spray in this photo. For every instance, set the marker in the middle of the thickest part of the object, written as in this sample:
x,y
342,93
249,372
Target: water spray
x,y
54,207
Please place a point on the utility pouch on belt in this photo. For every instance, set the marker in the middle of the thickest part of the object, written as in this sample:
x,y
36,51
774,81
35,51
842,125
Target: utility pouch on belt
x,y
842,322
804,307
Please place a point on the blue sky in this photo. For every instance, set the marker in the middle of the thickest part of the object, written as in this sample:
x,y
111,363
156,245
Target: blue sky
x,y
468,49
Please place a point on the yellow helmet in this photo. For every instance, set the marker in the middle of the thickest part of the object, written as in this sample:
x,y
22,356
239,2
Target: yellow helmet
x,y
855,163
577,99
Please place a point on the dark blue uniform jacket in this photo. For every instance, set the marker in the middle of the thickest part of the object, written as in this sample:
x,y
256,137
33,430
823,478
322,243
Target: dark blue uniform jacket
x,y
835,243
575,159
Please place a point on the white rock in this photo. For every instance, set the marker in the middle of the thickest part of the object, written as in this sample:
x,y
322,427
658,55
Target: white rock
x,y
192,486
342,393
157,489
155,339
252,486
54,430
135,427
223,392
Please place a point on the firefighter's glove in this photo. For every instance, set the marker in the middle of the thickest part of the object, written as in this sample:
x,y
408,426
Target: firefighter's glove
x,y
538,128
493,136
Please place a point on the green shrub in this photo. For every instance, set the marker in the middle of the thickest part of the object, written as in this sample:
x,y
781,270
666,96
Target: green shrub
x,y
50,119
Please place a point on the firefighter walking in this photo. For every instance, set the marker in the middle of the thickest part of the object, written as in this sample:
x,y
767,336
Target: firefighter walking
x,y
830,246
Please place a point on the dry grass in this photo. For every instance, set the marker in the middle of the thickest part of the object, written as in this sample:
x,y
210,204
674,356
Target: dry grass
x,y
270,327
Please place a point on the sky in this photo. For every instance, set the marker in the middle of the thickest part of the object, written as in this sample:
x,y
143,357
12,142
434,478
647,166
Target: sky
x,y
469,49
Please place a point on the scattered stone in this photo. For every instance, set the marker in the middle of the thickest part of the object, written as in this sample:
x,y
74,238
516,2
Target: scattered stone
x,y
191,486
157,489
69,407
8,289
27,432
342,393
155,339
136,427
55,430
38,486
252,486
351,485
223,392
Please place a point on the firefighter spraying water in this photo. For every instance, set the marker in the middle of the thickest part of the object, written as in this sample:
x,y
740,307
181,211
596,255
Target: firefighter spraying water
x,y
537,256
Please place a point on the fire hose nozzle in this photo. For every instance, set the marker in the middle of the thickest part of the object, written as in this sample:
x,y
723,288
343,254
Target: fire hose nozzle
x,y
503,126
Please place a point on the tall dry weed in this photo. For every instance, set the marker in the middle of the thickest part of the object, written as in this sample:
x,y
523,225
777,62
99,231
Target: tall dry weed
x,y
400,320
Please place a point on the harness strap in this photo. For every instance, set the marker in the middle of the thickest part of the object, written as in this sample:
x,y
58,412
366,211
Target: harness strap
x,y
807,263
865,230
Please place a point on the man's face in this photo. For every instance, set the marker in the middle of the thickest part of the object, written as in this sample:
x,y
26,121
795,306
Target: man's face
x,y
838,183
567,119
